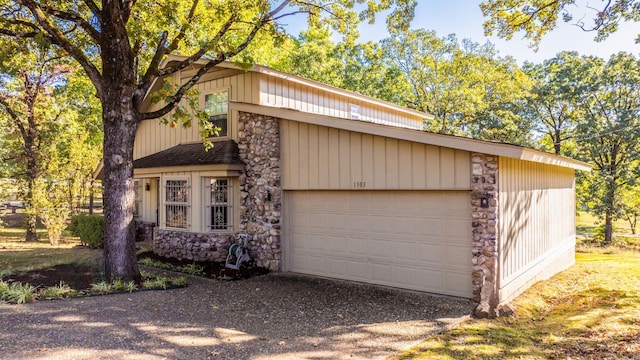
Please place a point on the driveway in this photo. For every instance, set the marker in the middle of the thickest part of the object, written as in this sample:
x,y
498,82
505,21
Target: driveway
x,y
277,316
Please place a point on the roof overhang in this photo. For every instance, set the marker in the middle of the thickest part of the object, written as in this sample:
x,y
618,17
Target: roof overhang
x,y
448,141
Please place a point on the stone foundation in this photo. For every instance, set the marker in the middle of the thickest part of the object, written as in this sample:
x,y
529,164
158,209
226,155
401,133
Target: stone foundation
x,y
144,230
192,246
260,189
484,207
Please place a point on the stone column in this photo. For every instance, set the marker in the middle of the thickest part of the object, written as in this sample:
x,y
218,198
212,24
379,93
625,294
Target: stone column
x,y
260,189
484,207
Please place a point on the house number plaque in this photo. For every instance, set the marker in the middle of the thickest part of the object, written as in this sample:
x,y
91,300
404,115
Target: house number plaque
x,y
359,184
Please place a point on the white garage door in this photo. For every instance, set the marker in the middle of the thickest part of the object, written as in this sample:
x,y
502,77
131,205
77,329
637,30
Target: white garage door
x,y
408,239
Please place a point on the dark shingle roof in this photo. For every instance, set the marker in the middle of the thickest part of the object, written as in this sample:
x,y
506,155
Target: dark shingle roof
x,y
223,152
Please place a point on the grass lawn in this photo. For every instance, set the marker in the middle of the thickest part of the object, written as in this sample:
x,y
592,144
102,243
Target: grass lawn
x,y
591,311
17,255
588,224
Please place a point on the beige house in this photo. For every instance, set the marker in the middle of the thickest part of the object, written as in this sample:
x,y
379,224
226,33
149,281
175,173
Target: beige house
x,y
332,183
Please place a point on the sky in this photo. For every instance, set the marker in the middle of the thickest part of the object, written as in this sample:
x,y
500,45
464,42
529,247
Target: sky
x,y
464,18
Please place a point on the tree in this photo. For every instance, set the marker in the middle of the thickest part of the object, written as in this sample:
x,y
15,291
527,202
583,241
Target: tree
x,y
28,113
121,46
538,17
610,133
359,67
553,104
630,201
467,86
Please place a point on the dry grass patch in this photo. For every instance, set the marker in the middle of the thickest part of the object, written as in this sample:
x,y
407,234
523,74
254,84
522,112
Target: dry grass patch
x,y
18,255
591,311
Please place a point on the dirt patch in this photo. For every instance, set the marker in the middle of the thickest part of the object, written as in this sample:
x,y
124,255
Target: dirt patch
x,y
77,276
213,270
80,276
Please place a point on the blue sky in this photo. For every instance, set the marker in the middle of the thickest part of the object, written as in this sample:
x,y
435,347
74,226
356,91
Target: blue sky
x,y
464,18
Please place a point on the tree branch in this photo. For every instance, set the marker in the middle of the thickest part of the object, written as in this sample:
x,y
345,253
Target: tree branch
x,y
74,18
61,40
221,56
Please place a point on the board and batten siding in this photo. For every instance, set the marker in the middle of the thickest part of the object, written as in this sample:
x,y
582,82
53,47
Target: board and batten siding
x,y
536,223
278,92
153,136
322,158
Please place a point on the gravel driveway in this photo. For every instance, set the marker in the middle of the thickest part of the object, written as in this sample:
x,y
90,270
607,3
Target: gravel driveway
x,y
277,316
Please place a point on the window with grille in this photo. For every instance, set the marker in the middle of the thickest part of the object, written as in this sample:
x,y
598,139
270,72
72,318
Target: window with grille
x,y
216,105
137,211
219,213
177,203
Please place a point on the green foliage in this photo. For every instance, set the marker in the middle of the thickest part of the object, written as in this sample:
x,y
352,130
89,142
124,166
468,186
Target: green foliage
x,y
553,103
157,264
120,285
536,18
467,86
17,293
59,291
89,228
102,287
192,269
609,134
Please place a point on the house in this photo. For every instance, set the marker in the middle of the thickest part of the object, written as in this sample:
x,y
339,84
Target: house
x,y
332,183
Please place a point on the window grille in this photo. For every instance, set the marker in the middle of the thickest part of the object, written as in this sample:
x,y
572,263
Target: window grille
x,y
219,204
177,204
217,107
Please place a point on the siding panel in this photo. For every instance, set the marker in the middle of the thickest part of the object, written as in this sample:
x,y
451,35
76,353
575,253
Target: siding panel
x,y
321,158
537,222
285,93
152,136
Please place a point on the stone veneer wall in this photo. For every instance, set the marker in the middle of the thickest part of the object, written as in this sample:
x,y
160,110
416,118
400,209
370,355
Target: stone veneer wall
x,y
484,184
144,230
260,188
192,246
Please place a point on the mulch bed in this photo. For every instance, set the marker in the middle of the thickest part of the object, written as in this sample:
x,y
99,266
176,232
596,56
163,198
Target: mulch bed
x,y
214,270
77,276
81,276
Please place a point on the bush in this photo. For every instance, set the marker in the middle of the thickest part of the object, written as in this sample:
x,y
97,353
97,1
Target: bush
x,y
89,228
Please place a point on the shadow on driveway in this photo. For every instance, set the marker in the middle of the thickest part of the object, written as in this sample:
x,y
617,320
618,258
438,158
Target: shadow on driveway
x,y
278,316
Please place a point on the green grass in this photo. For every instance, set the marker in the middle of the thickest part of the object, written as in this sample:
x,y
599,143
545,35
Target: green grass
x,y
590,311
586,223
17,255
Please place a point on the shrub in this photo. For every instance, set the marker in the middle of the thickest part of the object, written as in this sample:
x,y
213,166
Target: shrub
x,y
56,292
18,293
89,228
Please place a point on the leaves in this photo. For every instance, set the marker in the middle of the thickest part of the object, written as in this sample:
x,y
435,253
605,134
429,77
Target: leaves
x,y
536,18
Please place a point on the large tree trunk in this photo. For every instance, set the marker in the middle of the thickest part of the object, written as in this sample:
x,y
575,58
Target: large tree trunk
x,y
31,219
608,229
120,126
609,212
120,120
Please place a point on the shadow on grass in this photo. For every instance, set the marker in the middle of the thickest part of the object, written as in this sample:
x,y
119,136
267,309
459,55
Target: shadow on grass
x,y
597,323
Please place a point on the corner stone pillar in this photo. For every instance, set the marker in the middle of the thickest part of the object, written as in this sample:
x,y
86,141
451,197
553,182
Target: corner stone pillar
x,y
484,207
260,189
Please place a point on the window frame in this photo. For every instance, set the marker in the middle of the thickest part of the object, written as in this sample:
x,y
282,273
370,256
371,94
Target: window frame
x,y
137,199
226,114
209,204
176,204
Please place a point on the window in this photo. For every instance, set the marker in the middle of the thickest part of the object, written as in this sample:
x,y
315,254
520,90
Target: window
x,y
137,211
219,214
216,105
177,203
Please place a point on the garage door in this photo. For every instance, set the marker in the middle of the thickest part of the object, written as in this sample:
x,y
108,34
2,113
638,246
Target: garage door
x,y
408,239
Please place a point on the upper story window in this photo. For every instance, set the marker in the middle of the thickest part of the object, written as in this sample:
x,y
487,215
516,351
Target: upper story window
x,y
217,106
